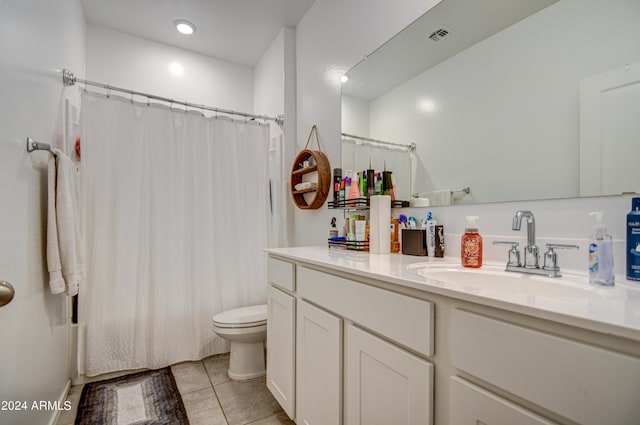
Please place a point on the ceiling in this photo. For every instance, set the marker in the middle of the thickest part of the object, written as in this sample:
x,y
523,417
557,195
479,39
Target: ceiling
x,y
411,52
237,31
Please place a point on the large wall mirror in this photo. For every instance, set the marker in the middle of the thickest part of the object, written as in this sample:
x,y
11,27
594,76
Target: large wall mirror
x,y
490,92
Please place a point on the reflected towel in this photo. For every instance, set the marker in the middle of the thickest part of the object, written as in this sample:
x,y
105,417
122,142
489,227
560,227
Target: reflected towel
x,y
438,197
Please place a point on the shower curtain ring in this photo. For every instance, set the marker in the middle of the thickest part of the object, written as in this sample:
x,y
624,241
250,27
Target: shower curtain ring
x,y
148,101
108,92
131,97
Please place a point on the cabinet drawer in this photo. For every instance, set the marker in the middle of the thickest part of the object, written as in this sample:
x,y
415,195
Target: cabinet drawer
x,y
472,405
583,383
281,273
406,320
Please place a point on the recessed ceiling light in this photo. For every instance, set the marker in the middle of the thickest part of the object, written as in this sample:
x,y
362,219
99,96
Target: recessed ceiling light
x,y
184,26
344,78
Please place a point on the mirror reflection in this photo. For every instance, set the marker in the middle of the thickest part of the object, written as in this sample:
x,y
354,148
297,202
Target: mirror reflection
x,y
535,100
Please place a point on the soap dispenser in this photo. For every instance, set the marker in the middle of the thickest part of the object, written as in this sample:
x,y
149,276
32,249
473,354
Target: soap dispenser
x,y
600,254
471,255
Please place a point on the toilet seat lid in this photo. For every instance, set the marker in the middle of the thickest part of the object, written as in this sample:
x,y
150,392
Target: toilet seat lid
x,y
241,317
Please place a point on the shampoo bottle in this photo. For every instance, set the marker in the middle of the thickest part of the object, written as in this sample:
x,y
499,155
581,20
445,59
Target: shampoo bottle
x,y
600,254
633,241
471,255
333,230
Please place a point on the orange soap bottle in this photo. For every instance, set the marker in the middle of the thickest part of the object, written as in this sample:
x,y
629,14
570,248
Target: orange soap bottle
x,y
471,254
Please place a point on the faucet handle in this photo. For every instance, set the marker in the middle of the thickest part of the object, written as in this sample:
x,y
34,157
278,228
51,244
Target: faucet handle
x,y
514,254
551,257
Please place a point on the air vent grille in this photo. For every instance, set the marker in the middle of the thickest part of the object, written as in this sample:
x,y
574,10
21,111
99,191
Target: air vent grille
x,y
440,34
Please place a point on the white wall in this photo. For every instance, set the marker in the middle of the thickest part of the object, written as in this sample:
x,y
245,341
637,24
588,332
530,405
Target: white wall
x,y
135,63
530,74
274,94
355,116
37,39
331,38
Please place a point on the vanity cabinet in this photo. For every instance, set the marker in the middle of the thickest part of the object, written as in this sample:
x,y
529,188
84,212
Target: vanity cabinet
x,y
581,382
360,351
318,366
371,351
383,383
472,405
281,316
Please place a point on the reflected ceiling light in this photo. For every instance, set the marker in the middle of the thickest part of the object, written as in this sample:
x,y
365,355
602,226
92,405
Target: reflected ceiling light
x,y
176,68
184,26
427,106
344,79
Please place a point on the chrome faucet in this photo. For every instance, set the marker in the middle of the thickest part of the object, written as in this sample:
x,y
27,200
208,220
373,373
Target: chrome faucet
x,y
531,262
531,250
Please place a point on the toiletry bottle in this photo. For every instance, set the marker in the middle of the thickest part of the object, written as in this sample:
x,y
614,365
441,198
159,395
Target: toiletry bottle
x,y
439,250
633,241
431,235
471,245
600,254
371,182
337,181
395,243
333,230
354,191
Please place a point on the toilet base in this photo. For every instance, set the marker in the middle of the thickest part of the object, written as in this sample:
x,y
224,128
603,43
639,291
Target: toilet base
x,y
246,361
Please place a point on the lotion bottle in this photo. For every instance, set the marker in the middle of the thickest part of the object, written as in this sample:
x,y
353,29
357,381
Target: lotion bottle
x,y
600,254
471,255
633,241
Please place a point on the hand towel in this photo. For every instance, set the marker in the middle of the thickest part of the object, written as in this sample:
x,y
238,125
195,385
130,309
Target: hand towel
x,y
64,253
56,281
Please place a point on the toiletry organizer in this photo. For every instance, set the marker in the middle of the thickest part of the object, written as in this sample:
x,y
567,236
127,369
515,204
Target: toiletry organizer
x,y
351,245
307,162
362,203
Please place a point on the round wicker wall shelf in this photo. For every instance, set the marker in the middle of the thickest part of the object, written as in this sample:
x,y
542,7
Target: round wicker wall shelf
x,y
317,165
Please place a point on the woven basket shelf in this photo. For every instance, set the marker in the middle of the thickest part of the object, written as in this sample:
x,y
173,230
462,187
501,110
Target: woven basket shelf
x,y
319,163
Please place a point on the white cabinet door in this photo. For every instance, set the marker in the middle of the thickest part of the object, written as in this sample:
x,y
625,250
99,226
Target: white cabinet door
x,y
385,384
318,366
281,349
471,405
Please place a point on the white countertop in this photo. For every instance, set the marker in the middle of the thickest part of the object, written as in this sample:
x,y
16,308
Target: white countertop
x,y
613,310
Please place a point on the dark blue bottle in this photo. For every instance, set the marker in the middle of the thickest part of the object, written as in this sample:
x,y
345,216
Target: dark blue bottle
x,y
633,240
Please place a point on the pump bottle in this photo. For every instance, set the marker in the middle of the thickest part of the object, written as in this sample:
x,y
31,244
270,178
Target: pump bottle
x,y
633,241
471,255
601,270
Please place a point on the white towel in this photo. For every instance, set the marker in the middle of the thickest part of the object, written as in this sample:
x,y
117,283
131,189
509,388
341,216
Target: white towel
x,y
64,255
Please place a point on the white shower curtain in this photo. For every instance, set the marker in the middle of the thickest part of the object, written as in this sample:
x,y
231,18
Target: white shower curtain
x,y
175,217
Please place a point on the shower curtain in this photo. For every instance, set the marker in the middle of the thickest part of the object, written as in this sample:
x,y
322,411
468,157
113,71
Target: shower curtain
x,y
175,218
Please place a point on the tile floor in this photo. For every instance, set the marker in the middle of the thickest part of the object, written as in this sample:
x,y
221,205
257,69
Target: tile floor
x,y
211,398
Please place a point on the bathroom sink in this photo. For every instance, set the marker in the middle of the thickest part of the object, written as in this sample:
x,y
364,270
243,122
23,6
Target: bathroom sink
x,y
495,280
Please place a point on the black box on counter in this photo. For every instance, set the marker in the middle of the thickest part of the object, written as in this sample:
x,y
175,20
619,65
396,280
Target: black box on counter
x,y
414,242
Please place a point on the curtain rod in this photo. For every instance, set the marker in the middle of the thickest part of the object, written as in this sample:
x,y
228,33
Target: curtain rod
x,y
69,79
409,146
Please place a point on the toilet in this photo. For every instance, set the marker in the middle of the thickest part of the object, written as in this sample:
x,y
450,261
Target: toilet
x,y
246,329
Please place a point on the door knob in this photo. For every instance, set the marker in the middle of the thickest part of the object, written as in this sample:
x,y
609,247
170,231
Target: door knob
x,y
6,293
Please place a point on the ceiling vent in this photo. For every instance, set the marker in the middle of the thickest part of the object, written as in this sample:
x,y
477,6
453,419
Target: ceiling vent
x,y
441,34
